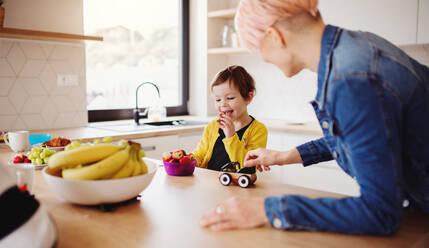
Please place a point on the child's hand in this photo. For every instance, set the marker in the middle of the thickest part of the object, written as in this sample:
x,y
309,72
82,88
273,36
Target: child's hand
x,y
227,125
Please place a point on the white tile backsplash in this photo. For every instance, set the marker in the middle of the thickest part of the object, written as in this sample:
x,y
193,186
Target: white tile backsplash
x,y
5,85
32,50
47,49
18,96
6,107
16,58
7,121
32,68
29,96
33,86
5,47
5,69
34,104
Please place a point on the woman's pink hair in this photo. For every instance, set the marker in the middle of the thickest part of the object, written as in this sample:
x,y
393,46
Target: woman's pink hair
x,y
253,17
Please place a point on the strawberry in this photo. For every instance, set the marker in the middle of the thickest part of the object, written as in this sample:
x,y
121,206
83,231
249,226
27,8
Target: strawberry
x,y
18,159
22,187
191,156
27,161
166,156
178,154
185,160
171,160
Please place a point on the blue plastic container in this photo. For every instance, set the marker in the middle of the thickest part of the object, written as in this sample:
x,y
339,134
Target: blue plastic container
x,y
39,138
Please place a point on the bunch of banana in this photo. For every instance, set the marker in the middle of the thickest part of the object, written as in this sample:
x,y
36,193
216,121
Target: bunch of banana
x,y
100,161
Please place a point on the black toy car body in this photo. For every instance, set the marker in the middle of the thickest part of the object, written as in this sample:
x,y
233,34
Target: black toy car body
x,y
231,172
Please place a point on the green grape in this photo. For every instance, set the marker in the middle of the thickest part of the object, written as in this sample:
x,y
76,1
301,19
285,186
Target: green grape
x,y
123,143
68,147
107,140
75,144
97,141
45,160
36,154
142,154
38,161
43,154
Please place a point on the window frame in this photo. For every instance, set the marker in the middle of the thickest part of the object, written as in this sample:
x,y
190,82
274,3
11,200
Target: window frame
x,y
182,109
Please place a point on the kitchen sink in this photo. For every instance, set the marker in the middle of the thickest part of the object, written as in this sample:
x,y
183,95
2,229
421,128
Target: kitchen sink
x,y
149,126
174,123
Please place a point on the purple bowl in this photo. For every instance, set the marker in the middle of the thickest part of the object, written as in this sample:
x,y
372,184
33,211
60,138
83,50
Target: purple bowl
x,y
178,169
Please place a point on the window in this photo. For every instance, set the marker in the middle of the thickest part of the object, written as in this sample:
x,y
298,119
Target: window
x,y
144,41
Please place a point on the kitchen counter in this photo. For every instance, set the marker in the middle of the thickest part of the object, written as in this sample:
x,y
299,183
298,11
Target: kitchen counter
x,y
168,212
101,129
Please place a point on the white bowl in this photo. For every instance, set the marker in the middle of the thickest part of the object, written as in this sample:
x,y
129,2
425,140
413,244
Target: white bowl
x,y
94,192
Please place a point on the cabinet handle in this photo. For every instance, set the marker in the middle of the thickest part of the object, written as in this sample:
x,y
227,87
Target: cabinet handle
x,y
148,148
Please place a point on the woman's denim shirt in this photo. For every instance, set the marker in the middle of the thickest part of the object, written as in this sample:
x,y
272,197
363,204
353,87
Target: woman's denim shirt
x,y
373,106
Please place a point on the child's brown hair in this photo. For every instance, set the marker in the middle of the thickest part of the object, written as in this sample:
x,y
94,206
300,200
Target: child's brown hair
x,y
237,76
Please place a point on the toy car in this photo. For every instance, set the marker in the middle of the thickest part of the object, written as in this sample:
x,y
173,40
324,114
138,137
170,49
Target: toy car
x,y
231,172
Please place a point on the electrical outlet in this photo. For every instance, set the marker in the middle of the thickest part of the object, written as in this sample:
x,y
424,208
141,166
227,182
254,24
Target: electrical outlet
x,y
67,80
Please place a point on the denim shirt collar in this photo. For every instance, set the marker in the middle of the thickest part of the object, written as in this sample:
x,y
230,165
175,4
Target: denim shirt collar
x,y
329,40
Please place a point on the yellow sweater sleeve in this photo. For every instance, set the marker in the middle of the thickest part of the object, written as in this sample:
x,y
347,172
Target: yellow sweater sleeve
x,y
203,146
255,137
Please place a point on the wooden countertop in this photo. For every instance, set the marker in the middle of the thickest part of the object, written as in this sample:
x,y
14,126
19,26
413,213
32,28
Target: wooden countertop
x,y
101,129
167,216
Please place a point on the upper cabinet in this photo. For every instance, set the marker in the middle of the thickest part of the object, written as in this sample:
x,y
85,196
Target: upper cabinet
x,y
423,23
395,20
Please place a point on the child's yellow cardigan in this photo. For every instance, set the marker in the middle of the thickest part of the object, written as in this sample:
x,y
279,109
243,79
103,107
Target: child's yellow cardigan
x,y
254,137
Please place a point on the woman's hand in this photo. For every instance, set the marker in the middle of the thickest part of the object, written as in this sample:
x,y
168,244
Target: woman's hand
x,y
263,158
236,213
226,124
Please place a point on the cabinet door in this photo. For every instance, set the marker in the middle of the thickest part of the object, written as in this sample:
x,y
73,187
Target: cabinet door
x,y
189,141
155,146
394,20
423,22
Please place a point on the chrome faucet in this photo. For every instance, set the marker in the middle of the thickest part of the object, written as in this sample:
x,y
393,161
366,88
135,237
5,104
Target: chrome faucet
x,y
137,114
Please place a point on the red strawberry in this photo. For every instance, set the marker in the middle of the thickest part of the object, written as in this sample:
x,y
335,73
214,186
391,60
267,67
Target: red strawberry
x,y
191,156
18,159
166,156
22,187
27,161
178,155
185,160
171,160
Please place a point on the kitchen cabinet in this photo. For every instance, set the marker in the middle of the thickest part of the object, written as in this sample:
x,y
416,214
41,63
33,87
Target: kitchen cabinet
x,y
423,22
326,176
155,146
395,20
189,141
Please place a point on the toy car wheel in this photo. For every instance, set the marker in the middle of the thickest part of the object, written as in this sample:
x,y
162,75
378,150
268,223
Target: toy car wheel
x,y
225,179
244,181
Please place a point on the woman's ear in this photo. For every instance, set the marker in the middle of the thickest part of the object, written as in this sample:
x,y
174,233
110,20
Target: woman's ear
x,y
276,36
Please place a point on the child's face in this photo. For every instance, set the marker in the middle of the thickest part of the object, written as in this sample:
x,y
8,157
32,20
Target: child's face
x,y
228,100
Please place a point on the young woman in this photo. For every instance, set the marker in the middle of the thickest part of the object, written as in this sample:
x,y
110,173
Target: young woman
x,y
236,132
373,106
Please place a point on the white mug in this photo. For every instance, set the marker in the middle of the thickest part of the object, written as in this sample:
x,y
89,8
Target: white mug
x,y
18,141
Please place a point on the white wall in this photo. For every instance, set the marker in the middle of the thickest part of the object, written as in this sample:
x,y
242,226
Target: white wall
x,y
65,16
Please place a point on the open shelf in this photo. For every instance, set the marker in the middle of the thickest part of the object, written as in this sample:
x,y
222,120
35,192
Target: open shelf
x,y
26,34
226,50
223,14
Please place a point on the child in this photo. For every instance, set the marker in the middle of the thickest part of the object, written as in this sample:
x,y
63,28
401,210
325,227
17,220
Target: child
x,y
235,132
